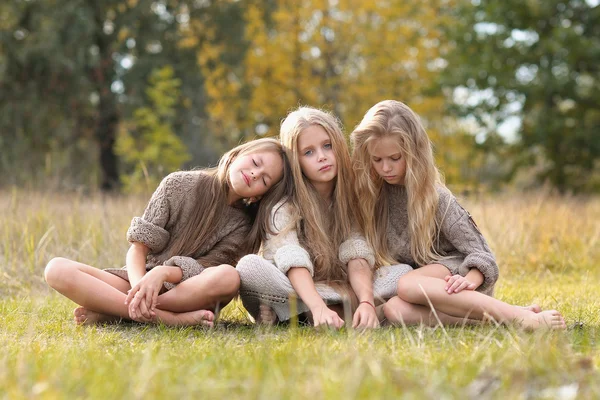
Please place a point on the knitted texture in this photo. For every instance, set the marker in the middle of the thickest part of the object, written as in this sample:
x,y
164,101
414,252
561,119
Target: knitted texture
x,y
172,204
356,247
284,247
460,241
264,283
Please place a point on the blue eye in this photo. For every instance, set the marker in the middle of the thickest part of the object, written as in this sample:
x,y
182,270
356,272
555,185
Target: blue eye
x,y
308,152
327,146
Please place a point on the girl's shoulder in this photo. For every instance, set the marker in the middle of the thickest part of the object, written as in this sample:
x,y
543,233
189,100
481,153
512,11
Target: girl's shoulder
x,y
444,194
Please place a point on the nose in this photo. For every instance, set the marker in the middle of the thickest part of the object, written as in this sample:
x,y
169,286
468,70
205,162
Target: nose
x,y
256,172
321,155
387,166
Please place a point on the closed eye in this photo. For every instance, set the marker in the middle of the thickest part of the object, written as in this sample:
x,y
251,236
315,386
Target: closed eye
x,y
254,162
265,181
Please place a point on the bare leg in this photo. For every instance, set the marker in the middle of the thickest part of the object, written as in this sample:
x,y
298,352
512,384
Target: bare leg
x,y
101,294
214,286
398,311
422,289
83,316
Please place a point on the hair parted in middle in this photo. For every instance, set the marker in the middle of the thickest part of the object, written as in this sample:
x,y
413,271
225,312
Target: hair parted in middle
x,y
322,226
393,119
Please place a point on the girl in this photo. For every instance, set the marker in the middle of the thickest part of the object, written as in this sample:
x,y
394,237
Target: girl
x,y
312,251
178,268
410,217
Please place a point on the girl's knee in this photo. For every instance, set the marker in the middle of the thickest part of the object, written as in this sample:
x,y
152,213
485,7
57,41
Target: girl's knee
x,y
225,279
409,289
249,264
58,271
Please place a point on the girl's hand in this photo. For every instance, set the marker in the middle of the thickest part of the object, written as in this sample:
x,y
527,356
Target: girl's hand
x,y
365,317
457,283
143,296
323,316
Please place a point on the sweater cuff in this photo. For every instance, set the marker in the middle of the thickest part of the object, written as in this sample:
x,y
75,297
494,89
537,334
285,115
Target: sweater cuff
x,y
150,235
290,256
487,267
356,248
189,266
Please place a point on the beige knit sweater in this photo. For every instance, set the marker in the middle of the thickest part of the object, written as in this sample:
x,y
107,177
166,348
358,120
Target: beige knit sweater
x,y
460,241
170,205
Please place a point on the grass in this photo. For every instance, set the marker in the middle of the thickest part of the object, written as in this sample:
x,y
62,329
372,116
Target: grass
x,y
548,250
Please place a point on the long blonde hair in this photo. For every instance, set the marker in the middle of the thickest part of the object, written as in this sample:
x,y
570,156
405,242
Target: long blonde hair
x,y
322,227
394,119
211,202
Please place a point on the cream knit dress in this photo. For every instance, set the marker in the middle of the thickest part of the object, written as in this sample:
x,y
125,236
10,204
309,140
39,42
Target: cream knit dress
x,y
264,279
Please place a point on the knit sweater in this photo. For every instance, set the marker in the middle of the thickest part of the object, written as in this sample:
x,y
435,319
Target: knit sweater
x,y
161,224
284,247
460,241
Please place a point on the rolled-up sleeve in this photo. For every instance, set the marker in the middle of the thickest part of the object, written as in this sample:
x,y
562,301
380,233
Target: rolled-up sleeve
x,y
282,244
462,232
149,229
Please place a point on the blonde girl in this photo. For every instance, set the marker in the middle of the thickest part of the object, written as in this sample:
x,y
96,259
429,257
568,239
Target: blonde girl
x,y
195,227
410,217
313,252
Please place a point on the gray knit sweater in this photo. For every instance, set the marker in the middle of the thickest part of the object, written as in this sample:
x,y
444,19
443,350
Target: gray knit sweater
x,y
170,205
284,247
460,241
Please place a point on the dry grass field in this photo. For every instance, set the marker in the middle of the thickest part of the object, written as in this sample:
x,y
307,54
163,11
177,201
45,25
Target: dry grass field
x,y
548,249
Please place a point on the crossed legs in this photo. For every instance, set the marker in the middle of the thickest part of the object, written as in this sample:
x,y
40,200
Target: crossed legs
x,y
101,295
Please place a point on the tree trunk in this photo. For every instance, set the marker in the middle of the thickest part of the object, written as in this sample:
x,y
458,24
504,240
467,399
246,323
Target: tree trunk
x,y
106,135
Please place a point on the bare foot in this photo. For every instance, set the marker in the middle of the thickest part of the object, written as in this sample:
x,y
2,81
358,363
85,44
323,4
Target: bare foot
x,y
551,319
192,318
532,307
266,316
83,316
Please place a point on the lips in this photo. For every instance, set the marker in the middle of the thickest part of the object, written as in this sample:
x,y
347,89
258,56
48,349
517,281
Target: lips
x,y
246,179
325,168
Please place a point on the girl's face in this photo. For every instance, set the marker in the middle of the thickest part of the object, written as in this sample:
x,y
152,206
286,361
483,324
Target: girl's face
x,y
387,160
317,159
252,175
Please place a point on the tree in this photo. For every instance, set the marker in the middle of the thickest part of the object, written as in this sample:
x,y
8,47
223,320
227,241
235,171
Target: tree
x,y
74,70
148,146
539,62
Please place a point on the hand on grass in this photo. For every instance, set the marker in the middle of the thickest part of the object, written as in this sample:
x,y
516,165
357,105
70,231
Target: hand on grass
x,y
325,317
365,317
457,283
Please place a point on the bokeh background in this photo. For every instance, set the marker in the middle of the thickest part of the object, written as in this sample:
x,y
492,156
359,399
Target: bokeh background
x,y
113,95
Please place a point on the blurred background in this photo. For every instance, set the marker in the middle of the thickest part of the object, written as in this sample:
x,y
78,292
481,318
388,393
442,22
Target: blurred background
x,y
113,95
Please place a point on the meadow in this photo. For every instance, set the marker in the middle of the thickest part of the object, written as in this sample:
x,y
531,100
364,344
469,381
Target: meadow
x,y
548,249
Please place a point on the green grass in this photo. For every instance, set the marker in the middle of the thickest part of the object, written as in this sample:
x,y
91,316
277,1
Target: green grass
x,y
548,250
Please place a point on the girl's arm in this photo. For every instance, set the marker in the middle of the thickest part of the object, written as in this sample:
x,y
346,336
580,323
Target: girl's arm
x,y
136,262
304,285
460,230
361,280
283,247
